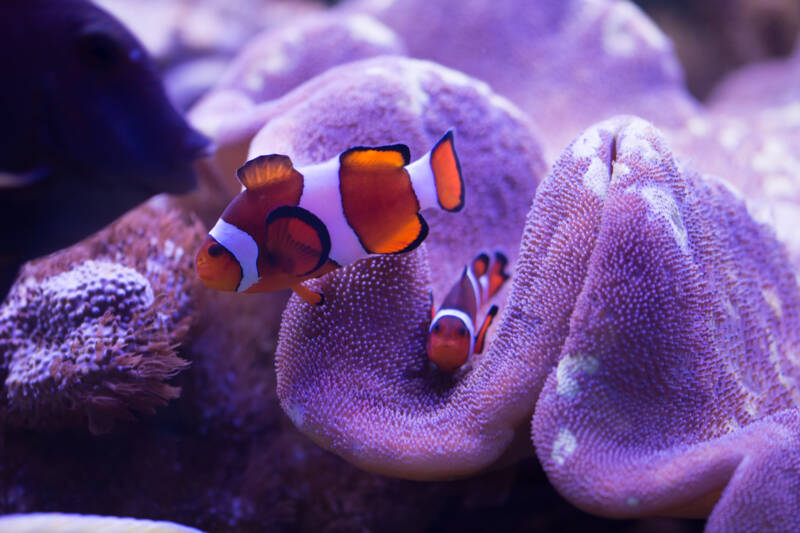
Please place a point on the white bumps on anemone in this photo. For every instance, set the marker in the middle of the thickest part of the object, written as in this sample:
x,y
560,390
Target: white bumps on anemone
x,y
663,205
564,446
568,370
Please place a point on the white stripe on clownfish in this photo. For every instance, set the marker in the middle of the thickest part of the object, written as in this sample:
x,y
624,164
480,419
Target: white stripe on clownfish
x,y
243,247
476,287
322,196
423,181
463,317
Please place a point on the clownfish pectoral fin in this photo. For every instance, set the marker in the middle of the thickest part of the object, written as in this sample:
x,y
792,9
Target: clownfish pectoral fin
x,y
267,169
297,241
364,158
497,274
480,265
312,297
447,174
480,337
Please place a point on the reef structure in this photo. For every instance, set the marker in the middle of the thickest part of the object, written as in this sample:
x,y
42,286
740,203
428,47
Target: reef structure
x,y
88,334
650,337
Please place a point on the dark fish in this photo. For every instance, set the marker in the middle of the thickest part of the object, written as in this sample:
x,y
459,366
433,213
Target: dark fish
x,y
87,129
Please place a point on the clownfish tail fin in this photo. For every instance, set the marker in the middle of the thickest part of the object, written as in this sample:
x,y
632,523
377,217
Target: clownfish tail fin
x,y
312,297
497,274
436,177
447,174
480,337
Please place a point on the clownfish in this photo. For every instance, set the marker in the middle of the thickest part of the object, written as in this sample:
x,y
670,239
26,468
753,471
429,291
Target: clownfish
x,y
292,224
452,336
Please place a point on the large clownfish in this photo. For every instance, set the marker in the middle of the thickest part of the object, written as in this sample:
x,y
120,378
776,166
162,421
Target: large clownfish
x,y
292,224
452,335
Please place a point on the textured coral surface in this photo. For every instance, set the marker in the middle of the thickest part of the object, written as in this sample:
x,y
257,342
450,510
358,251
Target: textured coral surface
x,y
89,333
649,345
652,323
565,63
751,137
675,381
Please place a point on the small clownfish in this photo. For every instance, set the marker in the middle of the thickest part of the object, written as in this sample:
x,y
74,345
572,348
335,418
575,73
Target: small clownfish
x,y
291,224
452,336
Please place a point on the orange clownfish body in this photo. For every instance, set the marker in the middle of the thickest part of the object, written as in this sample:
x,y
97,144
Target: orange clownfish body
x,y
452,335
292,224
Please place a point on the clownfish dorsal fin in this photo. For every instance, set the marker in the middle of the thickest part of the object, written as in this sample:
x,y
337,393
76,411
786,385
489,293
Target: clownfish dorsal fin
x,y
367,157
480,337
265,170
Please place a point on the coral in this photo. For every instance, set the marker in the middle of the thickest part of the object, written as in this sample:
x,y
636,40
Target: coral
x,y
90,332
413,101
671,384
64,523
751,135
280,59
652,323
567,64
195,40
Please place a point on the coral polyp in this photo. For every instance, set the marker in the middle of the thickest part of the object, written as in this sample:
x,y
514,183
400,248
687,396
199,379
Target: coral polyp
x,y
93,340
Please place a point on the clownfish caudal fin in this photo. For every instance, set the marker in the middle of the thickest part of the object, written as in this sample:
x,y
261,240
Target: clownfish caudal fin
x,y
447,174
436,177
497,274
480,337
312,297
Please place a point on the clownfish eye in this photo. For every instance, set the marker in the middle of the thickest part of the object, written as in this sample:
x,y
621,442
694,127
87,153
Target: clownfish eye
x,y
215,250
437,328
462,331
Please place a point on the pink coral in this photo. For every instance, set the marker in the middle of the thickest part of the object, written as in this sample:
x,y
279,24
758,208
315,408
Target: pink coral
x,y
280,59
90,332
751,136
410,100
652,323
673,385
567,64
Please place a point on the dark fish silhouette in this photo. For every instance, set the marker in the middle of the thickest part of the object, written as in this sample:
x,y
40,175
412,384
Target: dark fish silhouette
x,y
87,129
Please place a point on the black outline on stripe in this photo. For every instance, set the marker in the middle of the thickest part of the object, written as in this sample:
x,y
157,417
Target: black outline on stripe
x,y
293,211
461,198
423,232
406,153
399,147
